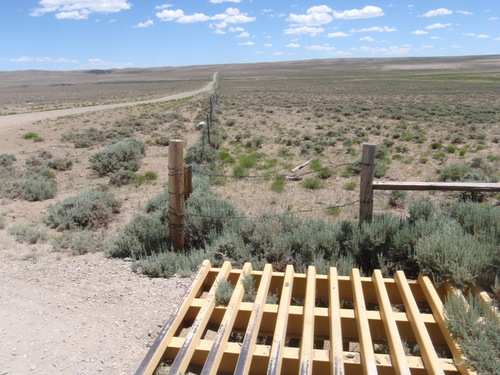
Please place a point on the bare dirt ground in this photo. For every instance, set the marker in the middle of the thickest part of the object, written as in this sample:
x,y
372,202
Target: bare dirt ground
x,y
62,314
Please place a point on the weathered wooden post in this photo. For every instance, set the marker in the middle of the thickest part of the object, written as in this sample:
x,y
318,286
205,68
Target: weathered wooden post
x,y
209,120
176,193
188,180
366,183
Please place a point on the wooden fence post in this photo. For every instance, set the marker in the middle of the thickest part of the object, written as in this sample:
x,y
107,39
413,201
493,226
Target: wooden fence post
x,y
366,183
209,120
176,193
188,180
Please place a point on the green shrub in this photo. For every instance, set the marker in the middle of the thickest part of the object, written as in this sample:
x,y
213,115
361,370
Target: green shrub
x,y
7,160
162,141
122,177
80,242
420,210
60,164
249,288
460,172
224,293
38,188
477,331
351,185
446,254
380,170
33,136
397,198
278,184
240,171
311,183
2,222
28,233
90,209
123,155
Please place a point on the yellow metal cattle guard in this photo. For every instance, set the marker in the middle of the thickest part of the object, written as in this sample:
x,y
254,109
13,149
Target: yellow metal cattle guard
x,y
314,324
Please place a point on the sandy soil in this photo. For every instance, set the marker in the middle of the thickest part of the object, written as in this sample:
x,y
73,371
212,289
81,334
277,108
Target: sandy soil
x,y
62,314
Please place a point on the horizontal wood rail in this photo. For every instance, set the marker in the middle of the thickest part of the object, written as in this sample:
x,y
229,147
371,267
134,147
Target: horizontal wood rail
x,y
447,186
321,324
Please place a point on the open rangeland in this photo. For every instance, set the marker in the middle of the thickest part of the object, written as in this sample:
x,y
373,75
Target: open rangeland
x,y
66,308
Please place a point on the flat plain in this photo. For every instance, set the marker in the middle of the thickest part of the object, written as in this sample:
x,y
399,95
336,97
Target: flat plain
x,y
425,114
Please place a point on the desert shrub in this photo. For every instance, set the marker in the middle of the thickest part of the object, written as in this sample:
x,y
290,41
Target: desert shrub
x,y
223,293
60,164
7,160
278,184
123,155
28,234
397,198
446,254
460,172
33,136
2,221
90,209
80,242
351,185
121,177
380,170
170,263
148,176
38,188
162,141
420,210
200,152
249,288
477,331
311,183
142,236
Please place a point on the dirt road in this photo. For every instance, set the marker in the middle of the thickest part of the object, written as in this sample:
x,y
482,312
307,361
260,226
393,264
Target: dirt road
x,y
11,122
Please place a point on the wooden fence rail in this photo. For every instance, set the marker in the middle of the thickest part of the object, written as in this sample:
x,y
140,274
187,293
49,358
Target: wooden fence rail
x,y
367,185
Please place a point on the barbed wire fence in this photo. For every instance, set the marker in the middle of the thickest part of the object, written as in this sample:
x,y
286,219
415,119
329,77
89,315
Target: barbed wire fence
x,y
202,167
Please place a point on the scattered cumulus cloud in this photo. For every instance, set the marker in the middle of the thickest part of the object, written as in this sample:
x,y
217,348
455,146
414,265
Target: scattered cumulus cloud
x,y
313,31
338,34
420,32
246,44
316,16
468,34
493,19
368,11
279,53
268,45
236,29
144,24
224,1
465,12
320,48
497,39
164,6
219,31
293,45
367,39
483,36
437,12
56,60
79,9
230,16
437,26
374,28
243,35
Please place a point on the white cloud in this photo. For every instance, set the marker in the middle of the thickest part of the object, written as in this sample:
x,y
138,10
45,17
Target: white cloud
x,y
395,50
313,31
326,48
279,53
338,34
164,6
367,39
58,60
79,9
230,16
493,19
425,46
267,45
497,39
373,28
368,11
465,12
219,31
102,64
456,46
243,35
170,15
293,45
195,17
316,16
246,44
236,29
420,32
224,1
435,37
483,36
437,26
468,34
437,12
144,24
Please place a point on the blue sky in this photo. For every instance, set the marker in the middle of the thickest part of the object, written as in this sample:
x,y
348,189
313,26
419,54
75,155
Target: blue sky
x,y
102,34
